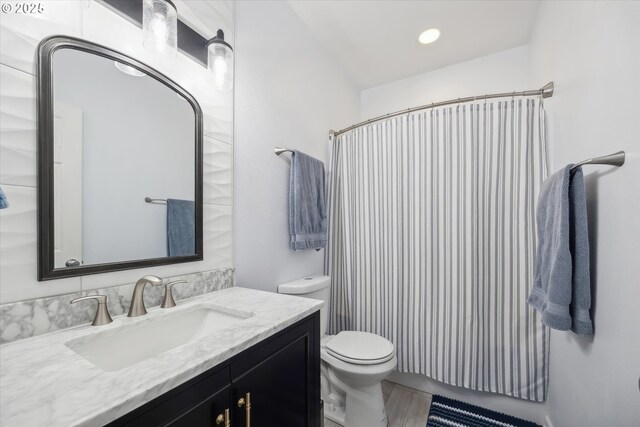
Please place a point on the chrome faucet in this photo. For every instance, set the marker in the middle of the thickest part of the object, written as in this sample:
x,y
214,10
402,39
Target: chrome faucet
x,y
137,307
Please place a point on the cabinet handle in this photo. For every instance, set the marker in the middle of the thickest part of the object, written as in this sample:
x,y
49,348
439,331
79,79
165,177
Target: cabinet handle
x,y
224,419
246,402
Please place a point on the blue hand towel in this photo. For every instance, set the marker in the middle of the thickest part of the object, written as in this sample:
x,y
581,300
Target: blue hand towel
x,y
579,246
4,202
181,228
562,289
307,208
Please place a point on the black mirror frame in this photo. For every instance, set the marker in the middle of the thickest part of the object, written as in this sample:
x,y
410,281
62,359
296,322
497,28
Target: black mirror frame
x,y
46,262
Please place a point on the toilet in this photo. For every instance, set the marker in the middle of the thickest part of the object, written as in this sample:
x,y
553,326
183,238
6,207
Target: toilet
x,y
353,364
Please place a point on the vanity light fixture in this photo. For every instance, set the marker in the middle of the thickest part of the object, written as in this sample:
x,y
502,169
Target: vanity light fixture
x,y
220,61
160,26
154,16
429,36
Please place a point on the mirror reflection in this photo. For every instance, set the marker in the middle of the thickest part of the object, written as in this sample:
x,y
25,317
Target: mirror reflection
x,y
124,163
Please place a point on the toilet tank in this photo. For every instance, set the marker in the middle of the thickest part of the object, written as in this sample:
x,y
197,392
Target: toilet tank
x,y
316,287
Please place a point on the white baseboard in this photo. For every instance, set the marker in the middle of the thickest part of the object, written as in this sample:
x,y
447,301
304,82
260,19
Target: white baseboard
x,y
547,422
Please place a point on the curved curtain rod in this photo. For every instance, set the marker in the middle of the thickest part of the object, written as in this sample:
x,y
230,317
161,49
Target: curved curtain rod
x,y
545,92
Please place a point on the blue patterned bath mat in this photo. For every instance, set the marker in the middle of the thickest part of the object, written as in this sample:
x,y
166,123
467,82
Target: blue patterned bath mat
x,y
447,412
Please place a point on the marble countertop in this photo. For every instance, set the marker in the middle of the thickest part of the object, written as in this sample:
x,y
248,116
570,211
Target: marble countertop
x,y
43,382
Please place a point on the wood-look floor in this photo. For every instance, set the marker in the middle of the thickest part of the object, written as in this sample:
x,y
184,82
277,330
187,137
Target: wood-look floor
x,y
406,407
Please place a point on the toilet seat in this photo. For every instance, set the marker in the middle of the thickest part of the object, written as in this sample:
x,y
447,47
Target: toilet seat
x,y
360,361
360,348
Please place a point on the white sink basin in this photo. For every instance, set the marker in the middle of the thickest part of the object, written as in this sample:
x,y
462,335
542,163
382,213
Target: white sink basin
x,y
127,345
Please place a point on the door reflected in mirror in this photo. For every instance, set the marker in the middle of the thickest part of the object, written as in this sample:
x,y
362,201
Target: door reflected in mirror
x,y
125,147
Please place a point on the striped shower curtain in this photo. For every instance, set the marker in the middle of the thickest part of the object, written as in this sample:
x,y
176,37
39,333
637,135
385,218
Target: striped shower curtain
x,y
432,237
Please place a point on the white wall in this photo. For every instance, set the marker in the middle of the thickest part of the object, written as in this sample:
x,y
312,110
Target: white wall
x,y
501,72
19,37
592,52
505,71
289,93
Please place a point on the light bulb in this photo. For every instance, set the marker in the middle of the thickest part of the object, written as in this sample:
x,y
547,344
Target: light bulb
x,y
220,62
159,31
160,26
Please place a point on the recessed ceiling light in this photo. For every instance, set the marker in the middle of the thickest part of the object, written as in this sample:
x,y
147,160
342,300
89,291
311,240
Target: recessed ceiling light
x,y
429,36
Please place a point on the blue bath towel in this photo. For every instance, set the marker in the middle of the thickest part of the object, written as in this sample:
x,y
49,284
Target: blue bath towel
x,y
562,287
181,228
4,202
307,207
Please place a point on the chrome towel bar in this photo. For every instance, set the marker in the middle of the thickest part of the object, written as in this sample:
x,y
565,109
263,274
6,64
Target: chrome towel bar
x,y
280,150
614,159
155,201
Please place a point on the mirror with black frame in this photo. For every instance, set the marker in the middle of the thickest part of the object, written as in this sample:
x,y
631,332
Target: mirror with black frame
x,y
119,163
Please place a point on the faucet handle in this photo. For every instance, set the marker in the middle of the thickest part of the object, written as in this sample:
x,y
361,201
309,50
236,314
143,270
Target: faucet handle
x,y
151,279
102,312
168,301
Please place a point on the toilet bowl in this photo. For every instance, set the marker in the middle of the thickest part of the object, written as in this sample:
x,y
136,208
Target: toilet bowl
x,y
353,364
353,392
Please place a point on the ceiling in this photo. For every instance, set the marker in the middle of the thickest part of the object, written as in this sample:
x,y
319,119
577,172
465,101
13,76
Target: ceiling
x,y
376,41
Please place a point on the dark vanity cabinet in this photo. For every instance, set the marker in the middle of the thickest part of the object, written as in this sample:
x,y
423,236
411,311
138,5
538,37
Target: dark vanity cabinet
x,y
278,387
274,383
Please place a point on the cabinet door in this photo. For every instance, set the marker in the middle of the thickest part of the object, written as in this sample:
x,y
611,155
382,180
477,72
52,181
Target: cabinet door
x,y
202,398
281,382
214,411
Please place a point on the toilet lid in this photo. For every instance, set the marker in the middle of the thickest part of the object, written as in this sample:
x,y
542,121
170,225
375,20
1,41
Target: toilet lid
x,y
361,348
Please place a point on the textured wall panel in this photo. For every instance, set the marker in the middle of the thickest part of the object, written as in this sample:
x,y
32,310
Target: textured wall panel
x,y
20,33
218,117
17,127
218,172
218,236
18,250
